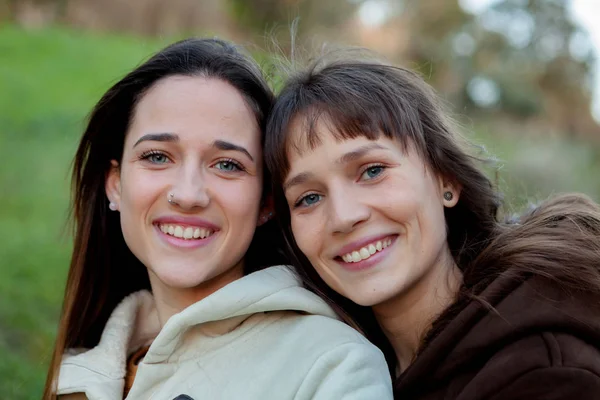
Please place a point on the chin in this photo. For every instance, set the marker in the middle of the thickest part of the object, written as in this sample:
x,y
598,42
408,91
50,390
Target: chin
x,y
182,278
367,299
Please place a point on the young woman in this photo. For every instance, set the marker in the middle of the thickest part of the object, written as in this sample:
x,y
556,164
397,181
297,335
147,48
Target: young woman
x,y
168,295
381,205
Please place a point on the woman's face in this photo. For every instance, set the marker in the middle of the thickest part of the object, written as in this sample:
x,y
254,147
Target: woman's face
x,y
196,139
368,215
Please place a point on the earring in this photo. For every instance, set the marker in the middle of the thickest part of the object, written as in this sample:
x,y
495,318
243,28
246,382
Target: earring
x,y
112,206
448,196
267,217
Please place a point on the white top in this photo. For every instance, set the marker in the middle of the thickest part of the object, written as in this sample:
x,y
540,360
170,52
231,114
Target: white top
x,y
260,337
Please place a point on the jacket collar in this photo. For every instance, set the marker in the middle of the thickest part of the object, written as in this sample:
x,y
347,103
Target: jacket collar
x,y
134,323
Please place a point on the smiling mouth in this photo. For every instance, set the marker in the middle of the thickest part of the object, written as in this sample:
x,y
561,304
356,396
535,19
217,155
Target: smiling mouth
x,y
186,232
365,252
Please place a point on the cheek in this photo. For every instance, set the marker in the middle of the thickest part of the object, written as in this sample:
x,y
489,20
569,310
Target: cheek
x,y
401,201
432,222
309,235
140,189
241,200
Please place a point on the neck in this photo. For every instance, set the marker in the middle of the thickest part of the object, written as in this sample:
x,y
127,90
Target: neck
x,y
172,300
406,318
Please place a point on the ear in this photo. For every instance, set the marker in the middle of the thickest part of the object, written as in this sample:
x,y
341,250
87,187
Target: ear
x,y
112,185
266,211
454,190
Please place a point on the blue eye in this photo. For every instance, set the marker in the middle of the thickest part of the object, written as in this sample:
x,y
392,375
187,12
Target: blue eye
x,y
158,158
155,157
228,166
309,200
372,172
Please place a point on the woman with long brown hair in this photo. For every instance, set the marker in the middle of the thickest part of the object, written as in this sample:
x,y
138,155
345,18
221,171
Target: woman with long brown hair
x,y
175,288
388,216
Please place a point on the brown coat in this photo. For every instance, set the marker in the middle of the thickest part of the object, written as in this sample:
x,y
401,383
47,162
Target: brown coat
x,y
542,343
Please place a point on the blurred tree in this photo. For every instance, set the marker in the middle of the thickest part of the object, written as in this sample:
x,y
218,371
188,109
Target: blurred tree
x,y
540,59
273,18
34,13
521,59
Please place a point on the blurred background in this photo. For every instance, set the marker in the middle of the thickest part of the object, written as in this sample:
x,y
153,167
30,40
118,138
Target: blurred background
x,y
520,76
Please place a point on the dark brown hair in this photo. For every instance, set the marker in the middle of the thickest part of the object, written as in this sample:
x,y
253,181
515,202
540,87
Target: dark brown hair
x,y
559,240
103,270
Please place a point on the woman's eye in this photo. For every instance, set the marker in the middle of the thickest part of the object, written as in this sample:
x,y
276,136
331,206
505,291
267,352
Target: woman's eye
x,y
158,158
228,166
155,157
309,200
372,172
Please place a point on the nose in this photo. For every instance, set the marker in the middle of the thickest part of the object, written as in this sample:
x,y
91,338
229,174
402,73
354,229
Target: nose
x,y
189,190
347,210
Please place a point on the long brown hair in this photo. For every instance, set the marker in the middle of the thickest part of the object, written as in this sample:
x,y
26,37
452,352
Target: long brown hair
x,y
560,240
103,270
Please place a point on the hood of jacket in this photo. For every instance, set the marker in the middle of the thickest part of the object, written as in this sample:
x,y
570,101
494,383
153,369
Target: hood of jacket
x,y
521,308
134,323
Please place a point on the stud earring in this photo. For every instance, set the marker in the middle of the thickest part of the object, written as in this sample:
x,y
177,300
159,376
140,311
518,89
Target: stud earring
x,y
267,217
112,206
448,196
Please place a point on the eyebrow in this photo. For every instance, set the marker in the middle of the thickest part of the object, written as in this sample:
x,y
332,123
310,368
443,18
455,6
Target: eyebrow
x,y
346,158
171,137
297,180
158,137
223,145
358,153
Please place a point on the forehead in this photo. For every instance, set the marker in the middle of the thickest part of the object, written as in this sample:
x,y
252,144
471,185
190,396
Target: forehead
x,y
187,105
331,149
312,134
318,143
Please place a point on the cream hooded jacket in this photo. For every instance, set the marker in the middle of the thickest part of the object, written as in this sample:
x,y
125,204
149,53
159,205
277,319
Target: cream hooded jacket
x,y
260,337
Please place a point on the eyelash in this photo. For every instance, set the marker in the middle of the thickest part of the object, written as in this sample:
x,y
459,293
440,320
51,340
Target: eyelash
x,y
300,200
147,154
240,167
368,167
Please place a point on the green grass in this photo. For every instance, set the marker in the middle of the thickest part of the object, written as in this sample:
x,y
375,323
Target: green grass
x,y
49,80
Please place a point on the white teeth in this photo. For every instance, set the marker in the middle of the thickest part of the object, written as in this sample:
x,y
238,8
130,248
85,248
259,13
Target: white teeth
x,y
187,232
365,252
178,231
372,249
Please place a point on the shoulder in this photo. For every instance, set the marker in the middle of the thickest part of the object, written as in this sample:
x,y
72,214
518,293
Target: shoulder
x,y
551,364
332,359
320,333
551,349
348,370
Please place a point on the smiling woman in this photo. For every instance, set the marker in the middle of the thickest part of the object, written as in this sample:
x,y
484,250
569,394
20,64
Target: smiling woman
x,y
174,289
387,216
200,179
